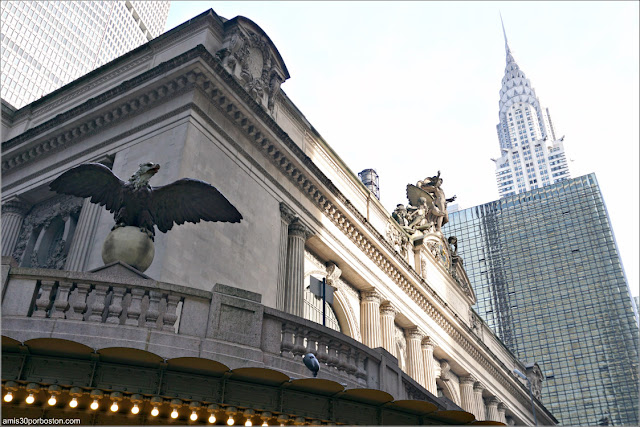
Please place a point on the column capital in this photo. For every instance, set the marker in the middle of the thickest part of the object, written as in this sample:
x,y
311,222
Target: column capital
x,y
478,386
469,379
387,309
286,213
493,401
16,205
414,333
370,295
429,342
298,229
502,407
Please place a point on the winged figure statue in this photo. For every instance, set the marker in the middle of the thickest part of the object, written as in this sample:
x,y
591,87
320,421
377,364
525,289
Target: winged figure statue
x,y
136,203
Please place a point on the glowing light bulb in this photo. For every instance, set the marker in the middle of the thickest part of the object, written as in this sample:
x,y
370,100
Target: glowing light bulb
x,y
135,409
30,399
264,424
94,405
155,411
248,423
231,421
8,397
73,403
52,400
174,414
212,418
193,416
114,407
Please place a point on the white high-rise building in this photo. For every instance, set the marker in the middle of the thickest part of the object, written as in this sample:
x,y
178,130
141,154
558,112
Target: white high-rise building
x,y
531,154
47,44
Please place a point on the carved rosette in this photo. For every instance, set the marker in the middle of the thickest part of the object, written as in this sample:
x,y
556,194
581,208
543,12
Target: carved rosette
x,y
250,58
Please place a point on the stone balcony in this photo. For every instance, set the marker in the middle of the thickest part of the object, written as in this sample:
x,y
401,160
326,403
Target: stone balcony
x,y
116,308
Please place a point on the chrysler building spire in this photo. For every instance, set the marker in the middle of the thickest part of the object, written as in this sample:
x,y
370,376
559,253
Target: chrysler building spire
x,y
532,157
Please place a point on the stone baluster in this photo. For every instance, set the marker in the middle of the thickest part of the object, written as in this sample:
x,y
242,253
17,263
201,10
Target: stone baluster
x,y
467,398
153,312
361,373
294,284
97,308
370,318
170,315
322,355
343,356
61,304
286,347
298,342
333,360
352,367
388,326
492,409
429,368
480,408
502,412
13,213
415,362
286,218
135,307
44,303
115,308
83,237
79,305
312,340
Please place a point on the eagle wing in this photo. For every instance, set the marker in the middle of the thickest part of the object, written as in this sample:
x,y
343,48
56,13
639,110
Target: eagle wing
x,y
190,200
414,193
91,180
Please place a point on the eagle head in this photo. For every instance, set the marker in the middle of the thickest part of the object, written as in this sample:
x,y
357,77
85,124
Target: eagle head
x,y
143,174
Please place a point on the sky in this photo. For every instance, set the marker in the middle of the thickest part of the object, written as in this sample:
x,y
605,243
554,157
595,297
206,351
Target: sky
x,y
410,88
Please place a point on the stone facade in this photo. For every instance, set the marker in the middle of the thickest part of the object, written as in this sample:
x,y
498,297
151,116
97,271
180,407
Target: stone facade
x,y
204,101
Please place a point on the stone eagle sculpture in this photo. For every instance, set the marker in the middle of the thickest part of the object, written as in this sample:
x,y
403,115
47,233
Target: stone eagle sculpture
x,y
136,203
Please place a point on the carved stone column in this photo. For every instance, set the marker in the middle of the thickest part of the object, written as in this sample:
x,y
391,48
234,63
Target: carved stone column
x,y
502,409
492,409
286,217
84,236
294,284
387,321
429,366
480,408
467,398
13,213
370,319
415,361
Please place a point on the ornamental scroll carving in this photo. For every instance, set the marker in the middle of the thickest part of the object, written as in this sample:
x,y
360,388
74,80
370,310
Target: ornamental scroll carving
x,y
46,233
250,58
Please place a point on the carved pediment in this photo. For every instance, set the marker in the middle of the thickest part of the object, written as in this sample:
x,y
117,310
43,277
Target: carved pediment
x,y
250,56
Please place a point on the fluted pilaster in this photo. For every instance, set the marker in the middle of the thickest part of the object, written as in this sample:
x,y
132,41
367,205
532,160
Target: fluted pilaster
x,y
467,398
13,213
387,322
84,236
370,318
502,410
415,361
286,217
480,408
294,285
492,409
429,366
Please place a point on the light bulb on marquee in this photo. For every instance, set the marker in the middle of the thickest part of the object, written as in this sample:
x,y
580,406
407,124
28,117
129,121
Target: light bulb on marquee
x,y
248,423
174,414
73,403
94,405
231,421
135,409
30,399
264,424
193,416
8,397
212,418
155,411
114,407
52,400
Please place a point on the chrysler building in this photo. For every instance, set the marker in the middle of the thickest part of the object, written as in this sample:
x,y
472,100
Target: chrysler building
x,y
532,156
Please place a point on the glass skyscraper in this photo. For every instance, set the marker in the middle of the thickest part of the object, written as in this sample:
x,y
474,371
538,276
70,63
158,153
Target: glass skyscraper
x,y
549,281
47,44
